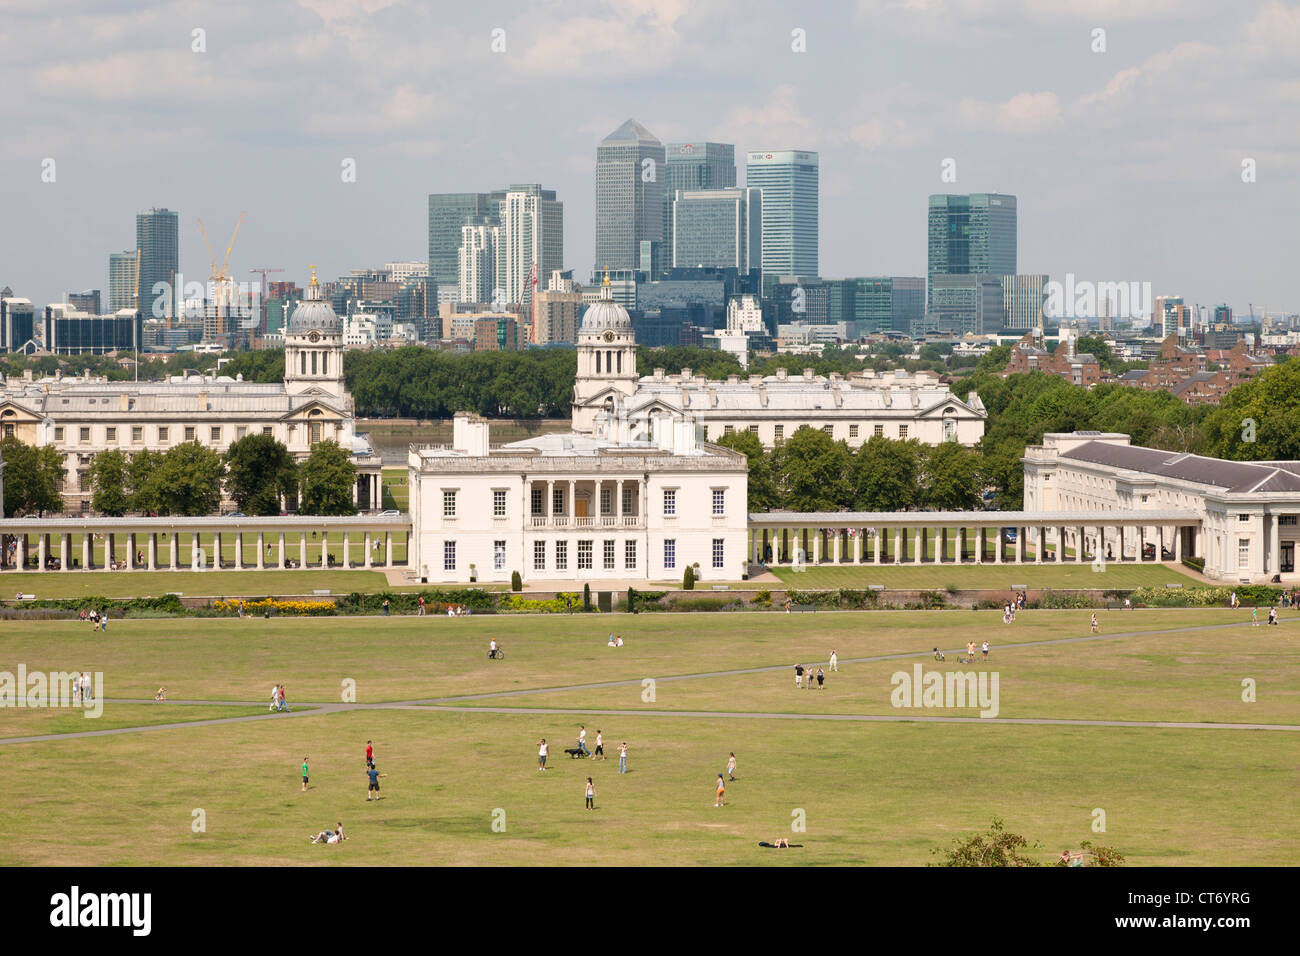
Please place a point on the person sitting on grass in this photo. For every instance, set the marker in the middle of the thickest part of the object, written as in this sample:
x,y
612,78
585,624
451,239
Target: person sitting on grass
x,y
161,695
938,654
330,836
1070,859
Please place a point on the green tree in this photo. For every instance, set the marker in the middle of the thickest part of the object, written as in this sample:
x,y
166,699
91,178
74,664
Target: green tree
x,y
259,471
951,478
144,493
31,478
327,479
886,475
185,480
761,483
1258,420
812,472
997,847
110,482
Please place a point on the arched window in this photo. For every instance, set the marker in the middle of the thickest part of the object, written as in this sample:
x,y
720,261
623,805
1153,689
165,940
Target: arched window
x,y
313,361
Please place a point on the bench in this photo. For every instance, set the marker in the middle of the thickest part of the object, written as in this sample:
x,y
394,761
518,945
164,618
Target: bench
x,y
321,591
722,587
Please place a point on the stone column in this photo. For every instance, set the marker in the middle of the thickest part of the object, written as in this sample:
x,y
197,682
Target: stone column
x,y
917,546
388,549
368,544
173,545
65,551
279,552
260,563
87,549
153,551
979,544
816,545
1178,544
1000,547
1020,544
1274,545
42,551
880,533
302,550
1079,548
548,506
618,503
239,550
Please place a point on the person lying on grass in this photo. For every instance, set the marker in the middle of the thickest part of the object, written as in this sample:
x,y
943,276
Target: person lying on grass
x,y
330,836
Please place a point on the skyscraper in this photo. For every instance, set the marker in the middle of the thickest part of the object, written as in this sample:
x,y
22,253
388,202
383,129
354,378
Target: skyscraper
x,y
121,281
477,258
1022,300
531,233
789,180
630,188
972,235
157,236
695,166
448,212
717,227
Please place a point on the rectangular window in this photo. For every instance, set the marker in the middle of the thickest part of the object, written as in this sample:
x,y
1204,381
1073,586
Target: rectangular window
x,y
719,501
216,433
878,431
629,555
627,501
902,432
137,433
557,501
313,433
1286,519
58,434
162,433
448,503
498,555
241,431
779,432
728,429
189,433
1243,553
828,429
754,429
111,434
1243,517
606,502
717,552
561,555
449,555
266,430
584,555
670,553
539,555
853,431
498,502
85,434
537,501
670,502
608,555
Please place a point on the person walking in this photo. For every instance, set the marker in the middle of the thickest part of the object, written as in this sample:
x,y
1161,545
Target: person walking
x,y
420,612
600,746
720,798
821,679
385,607
582,741
284,705
275,697
731,765
370,754
798,676
1094,622
304,774
622,757
985,649
591,795
541,754
835,661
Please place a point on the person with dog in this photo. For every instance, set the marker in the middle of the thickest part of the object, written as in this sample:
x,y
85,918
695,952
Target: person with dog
x,y
582,741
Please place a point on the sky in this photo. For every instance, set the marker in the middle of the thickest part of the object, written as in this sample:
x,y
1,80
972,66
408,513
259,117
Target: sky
x,y
1128,149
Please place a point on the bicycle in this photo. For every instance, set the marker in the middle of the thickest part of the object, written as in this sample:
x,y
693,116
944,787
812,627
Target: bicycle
x,y
498,654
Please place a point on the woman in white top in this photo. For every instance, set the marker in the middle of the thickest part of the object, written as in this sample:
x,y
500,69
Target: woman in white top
x,y
591,795
541,754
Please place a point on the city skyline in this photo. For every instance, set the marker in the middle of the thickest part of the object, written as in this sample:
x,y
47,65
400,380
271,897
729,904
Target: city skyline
x,y
1099,147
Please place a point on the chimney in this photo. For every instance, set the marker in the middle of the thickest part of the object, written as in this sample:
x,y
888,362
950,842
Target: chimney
x,y
808,374
659,375
781,374
687,374
125,402
203,401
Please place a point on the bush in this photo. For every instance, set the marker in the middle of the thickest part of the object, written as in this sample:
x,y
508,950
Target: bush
x,y
406,602
556,605
1196,564
1260,595
688,579
1065,600
586,597
516,582
702,604
763,598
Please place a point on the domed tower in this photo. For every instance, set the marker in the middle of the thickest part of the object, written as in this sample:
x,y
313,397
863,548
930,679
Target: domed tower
x,y
313,347
606,359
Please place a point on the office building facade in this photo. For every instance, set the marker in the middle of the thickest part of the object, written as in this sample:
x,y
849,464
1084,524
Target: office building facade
x,y
789,180
972,234
630,191
720,228
1022,301
531,235
157,237
121,280
448,212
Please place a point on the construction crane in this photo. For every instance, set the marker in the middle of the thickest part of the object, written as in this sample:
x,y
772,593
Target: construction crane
x,y
222,294
264,290
529,296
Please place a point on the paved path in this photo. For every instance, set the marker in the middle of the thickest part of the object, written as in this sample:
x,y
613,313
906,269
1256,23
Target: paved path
x,y
453,704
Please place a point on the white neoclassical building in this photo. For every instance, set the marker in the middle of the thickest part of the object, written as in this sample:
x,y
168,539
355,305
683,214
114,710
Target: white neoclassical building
x,y
85,414
628,495
1247,511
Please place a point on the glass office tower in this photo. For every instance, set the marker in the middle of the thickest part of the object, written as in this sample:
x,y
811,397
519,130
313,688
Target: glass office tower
x,y
972,235
631,171
157,236
717,227
448,212
789,181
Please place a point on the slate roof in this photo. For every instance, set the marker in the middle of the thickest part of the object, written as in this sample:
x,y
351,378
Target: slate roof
x,y
1235,477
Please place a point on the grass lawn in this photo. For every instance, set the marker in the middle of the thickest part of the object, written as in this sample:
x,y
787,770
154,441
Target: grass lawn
x,y
396,493
977,577
58,584
871,792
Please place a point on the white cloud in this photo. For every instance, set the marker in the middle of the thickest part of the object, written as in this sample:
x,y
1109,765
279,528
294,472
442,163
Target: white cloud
x,y
1022,113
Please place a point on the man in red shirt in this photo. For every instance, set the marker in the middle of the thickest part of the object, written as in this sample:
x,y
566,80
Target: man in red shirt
x,y
370,754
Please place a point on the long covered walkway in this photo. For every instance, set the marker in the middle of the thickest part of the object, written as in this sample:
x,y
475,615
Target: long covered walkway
x,y
972,537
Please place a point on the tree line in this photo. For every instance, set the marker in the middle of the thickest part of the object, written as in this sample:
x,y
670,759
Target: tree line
x,y
257,472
